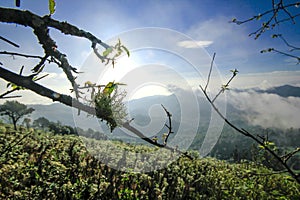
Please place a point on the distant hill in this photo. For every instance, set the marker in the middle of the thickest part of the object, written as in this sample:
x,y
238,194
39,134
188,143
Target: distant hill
x,y
53,112
137,108
145,109
284,91
148,117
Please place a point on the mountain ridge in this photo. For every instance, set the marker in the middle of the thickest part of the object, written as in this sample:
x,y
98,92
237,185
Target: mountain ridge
x,y
283,90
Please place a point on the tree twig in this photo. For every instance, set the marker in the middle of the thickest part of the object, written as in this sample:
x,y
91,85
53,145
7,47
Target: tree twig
x,y
9,42
149,140
210,70
287,156
248,134
20,54
3,96
225,86
279,9
169,115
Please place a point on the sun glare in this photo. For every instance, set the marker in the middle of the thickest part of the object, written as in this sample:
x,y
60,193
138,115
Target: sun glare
x,y
149,90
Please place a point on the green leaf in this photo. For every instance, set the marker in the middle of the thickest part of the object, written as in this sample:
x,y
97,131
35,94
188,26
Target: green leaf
x,y
107,51
125,49
109,88
35,78
14,87
51,6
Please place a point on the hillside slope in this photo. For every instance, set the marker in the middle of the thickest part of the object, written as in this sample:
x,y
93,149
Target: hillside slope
x,y
38,165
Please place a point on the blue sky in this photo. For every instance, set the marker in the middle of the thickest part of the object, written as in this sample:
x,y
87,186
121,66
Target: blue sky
x,y
204,21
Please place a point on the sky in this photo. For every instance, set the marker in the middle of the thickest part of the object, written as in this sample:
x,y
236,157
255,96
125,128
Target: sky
x,y
171,43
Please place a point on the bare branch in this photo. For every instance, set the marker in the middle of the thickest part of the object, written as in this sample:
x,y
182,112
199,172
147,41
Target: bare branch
x,y
9,42
248,134
293,48
10,97
287,156
3,96
288,55
281,52
210,70
169,115
276,8
280,13
225,86
20,54
149,140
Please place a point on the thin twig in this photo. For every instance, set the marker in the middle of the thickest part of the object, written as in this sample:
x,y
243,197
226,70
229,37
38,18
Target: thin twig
x,y
287,156
169,115
210,70
20,54
2,96
9,42
287,12
248,134
273,10
284,20
127,126
288,44
288,55
11,97
273,21
39,78
224,87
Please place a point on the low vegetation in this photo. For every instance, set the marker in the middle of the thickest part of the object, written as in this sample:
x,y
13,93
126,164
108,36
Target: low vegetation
x,y
35,164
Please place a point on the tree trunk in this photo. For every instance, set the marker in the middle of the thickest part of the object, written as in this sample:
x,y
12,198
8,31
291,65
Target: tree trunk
x,y
15,123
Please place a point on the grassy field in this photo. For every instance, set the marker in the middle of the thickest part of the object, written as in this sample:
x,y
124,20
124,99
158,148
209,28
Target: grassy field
x,y
38,165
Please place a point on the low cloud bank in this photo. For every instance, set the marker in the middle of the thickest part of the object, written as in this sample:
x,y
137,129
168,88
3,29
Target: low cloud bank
x,y
267,110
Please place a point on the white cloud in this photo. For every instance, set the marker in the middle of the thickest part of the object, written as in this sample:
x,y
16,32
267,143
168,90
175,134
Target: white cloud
x,y
220,31
194,44
268,110
230,42
266,80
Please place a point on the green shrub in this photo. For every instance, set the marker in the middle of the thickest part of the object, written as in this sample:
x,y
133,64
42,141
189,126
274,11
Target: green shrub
x,y
45,166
